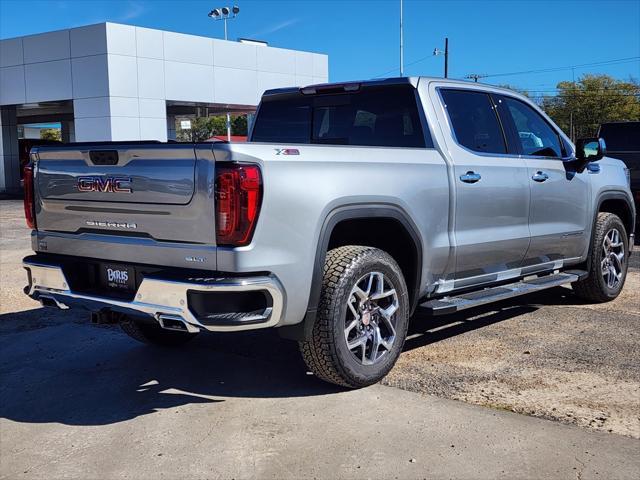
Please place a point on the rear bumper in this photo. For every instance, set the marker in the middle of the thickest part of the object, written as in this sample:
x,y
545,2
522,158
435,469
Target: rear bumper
x,y
165,300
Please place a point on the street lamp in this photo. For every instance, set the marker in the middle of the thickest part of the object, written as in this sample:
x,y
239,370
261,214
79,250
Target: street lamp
x,y
225,13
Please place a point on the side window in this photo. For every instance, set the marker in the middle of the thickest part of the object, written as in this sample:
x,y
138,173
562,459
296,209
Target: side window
x,y
474,121
535,134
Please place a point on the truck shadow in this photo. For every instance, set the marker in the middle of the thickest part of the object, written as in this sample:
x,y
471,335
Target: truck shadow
x,y
57,368
425,329
79,374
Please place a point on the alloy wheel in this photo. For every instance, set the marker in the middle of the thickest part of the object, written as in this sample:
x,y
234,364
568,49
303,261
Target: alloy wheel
x,y
612,264
370,325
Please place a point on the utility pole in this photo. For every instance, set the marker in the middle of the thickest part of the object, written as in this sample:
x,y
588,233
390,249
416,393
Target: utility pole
x,y
572,134
437,51
401,43
446,57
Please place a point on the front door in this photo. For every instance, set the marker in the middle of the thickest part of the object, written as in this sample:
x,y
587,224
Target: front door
x,y
491,190
559,212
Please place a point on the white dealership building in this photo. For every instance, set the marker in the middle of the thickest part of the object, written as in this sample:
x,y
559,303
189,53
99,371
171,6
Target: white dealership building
x,y
119,82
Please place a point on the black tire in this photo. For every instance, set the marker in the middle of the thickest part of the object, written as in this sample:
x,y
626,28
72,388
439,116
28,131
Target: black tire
x,y
153,334
326,353
594,288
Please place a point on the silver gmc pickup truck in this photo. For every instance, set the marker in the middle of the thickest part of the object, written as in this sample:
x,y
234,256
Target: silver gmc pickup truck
x,y
351,206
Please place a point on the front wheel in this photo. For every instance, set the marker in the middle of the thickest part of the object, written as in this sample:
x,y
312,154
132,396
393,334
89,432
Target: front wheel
x,y
607,260
362,318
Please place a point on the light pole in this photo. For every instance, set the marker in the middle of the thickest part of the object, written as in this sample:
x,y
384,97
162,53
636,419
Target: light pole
x,y
225,13
401,43
445,52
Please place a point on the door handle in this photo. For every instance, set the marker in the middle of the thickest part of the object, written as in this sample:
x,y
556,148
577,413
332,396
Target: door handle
x,y
470,177
540,176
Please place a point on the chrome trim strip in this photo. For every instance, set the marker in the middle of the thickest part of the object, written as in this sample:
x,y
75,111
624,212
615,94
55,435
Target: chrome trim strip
x,y
156,297
490,295
451,285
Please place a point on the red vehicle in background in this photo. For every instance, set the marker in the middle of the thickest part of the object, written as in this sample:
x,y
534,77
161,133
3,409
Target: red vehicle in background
x,y
223,138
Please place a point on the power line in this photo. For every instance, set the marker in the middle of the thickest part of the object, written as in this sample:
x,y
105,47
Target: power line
x,y
616,61
594,90
406,65
582,94
631,89
586,94
611,95
569,67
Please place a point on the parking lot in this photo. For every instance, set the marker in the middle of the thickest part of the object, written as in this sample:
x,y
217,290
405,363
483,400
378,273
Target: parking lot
x,y
86,401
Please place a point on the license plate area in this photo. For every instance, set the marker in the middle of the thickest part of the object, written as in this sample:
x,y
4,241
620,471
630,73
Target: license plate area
x,y
117,277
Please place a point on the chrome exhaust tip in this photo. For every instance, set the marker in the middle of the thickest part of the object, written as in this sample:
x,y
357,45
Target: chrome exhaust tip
x,y
47,301
176,323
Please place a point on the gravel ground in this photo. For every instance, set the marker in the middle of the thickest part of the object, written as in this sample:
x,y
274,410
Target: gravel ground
x,y
547,355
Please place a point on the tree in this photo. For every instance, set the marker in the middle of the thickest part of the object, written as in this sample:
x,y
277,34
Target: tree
x,y
239,125
51,134
202,128
593,100
515,89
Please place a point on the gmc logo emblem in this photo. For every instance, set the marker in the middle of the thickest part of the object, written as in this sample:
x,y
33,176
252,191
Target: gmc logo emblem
x,y
109,184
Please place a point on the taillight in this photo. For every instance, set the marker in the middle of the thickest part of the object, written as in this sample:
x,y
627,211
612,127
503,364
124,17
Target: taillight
x,y
238,198
29,199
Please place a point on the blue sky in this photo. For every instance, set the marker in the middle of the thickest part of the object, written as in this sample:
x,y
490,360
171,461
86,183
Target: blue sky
x,y
361,37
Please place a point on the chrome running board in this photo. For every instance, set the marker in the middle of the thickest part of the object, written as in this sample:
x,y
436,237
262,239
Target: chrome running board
x,y
452,304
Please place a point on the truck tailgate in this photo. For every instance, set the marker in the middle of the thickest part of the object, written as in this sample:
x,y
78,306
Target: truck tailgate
x,y
156,191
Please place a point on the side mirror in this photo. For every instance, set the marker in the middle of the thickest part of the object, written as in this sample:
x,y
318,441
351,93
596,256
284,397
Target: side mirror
x,y
590,149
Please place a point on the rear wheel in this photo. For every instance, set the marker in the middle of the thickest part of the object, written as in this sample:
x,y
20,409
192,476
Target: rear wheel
x,y
607,260
153,334
362,318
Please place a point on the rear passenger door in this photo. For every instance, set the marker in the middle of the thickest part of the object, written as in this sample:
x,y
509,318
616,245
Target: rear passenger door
x,y
491,190
559,210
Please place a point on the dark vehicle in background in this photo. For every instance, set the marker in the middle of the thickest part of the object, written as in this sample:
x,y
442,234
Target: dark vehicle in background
x,y
623,143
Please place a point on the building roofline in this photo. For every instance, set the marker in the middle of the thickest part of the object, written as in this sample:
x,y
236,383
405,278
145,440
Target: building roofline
x,y
149,28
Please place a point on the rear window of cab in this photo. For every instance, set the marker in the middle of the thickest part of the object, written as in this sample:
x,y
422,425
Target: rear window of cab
x,y
377,116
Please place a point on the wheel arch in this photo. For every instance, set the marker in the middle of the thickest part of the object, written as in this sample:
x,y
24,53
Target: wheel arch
x,y
340,219
618,203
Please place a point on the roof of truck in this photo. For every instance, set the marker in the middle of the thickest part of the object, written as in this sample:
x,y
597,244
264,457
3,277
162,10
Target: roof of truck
x,y
413,81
